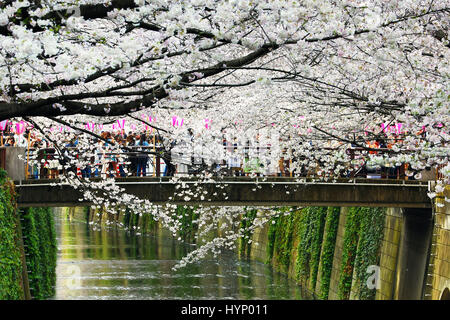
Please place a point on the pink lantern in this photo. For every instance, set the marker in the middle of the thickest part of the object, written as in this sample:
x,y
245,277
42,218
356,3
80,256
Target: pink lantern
x,y
208,124
177,122
20,127
121,123
3,125
394,128
90,126
148,119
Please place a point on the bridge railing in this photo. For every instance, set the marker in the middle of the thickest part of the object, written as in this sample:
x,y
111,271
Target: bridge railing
x,y
48,163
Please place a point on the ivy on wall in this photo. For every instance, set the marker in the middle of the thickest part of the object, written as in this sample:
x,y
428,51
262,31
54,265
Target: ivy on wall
x,y
87,212
350,245
271,236
188,218
282,231
32,248
41,249
362,242
331,227
127,218
284,241
318,225
246,222
10,256
368,252
311,229
148,223
304,253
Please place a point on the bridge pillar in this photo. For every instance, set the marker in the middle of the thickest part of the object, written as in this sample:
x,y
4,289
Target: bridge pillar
x,y
414,252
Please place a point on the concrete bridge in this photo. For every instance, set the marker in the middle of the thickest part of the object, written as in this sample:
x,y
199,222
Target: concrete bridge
x,y
243,191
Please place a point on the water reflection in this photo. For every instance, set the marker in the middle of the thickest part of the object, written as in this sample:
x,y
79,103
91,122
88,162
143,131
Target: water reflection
x,y
111,264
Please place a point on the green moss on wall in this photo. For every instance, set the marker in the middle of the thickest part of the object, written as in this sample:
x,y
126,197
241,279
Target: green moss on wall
x,y
32,248
245,225
283,241
41,249
127,218
331,226
87,212
318,225
281,233
350,245
187,216
311,233
147,223
368,252
362,241
304,254
10,255
271,236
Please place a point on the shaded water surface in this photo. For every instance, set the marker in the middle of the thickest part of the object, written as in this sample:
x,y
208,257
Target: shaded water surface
x,y
112,264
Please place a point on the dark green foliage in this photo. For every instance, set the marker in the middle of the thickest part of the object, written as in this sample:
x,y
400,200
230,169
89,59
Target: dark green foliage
x,y
271,236
188,218
303,257
362,240
86,211
134,221
281,234
127,218
246,223
32,248
148,223
40,247
311,233
331,226
316,246
368,253
53,251
10,256
283,242
351,237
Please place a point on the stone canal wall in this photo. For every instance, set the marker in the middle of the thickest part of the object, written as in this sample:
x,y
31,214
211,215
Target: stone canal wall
x,y
326,250
335,253
389,253
438,274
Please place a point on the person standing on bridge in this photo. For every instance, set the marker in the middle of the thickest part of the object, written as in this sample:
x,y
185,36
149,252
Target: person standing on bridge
x,y
142,158
131,143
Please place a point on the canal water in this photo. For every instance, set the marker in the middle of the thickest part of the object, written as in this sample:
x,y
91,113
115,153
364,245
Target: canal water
x,y
112,264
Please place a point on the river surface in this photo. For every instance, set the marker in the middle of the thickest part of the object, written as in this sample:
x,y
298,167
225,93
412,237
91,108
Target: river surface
x,y
112,264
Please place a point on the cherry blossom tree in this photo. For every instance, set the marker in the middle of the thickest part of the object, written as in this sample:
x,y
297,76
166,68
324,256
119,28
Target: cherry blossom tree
x,y
306,78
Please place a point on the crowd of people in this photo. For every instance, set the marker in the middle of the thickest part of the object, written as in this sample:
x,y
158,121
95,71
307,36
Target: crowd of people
x,y
120,154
